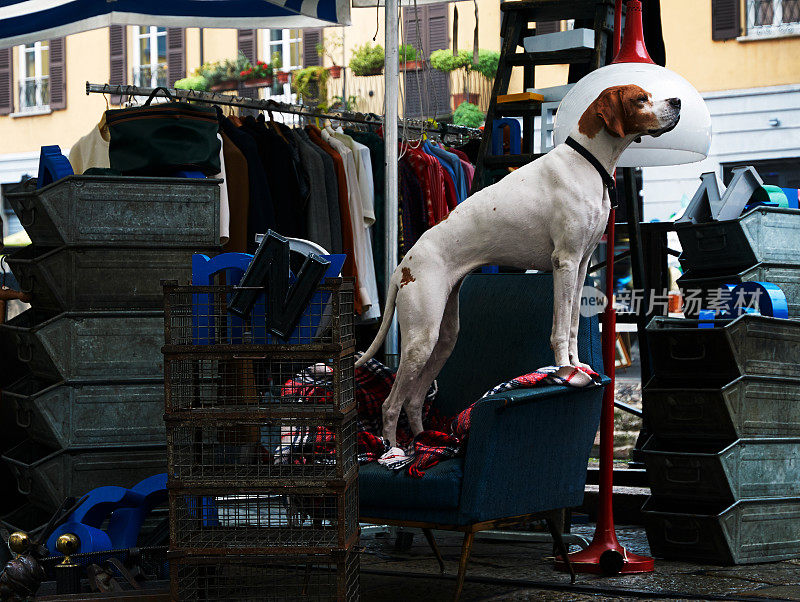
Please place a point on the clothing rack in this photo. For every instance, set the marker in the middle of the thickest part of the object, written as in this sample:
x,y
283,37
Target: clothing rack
x,y
258,104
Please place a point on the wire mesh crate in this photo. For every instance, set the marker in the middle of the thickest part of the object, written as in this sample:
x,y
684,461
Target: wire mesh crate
x,y
287,382
263,450
310,578
198,316
263,520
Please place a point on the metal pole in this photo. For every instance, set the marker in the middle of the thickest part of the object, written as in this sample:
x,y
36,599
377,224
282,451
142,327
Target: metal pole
x,y
391,85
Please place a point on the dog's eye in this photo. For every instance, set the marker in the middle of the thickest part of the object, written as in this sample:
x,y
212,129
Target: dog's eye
x,y
642,99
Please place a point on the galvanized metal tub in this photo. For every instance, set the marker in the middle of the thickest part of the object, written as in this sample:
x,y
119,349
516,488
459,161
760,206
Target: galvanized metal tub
x,y
122,210
747,532
748,407
787,277
79,415
714,473
47,476
765,234
27,518
94,346
99,278
749,345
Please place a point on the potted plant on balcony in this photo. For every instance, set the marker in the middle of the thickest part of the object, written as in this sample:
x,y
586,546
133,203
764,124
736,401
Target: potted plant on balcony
x,y
224,75
277,63
469,115
193,82
327,48
367,60
311,84
408,58
461,62
258,75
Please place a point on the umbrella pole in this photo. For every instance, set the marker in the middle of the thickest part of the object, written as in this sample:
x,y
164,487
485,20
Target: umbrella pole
x,y
605,555
392,91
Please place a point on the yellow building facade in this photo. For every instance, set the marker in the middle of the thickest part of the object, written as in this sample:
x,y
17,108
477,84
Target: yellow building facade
x,y
757,69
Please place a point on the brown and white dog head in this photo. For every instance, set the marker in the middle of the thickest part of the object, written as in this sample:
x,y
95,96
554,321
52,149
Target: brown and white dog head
x,y
629,111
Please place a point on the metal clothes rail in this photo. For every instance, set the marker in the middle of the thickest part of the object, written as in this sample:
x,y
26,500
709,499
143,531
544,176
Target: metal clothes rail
x,y
258,104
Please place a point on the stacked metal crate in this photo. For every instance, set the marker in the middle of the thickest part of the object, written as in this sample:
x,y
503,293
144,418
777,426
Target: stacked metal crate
x,y
724,405
92,401
262,449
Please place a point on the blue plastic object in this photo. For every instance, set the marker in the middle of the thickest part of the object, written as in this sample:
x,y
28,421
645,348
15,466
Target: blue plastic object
x,y
189,174
792,195
234,265
706,318
53,165
127,508
515,138
125,523
765,298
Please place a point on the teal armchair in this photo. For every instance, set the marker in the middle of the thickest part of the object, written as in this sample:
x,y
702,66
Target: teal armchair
x,y
528,449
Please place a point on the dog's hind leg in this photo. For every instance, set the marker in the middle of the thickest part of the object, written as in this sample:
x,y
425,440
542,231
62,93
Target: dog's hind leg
x,y
448,335
419,316
565,274
576,314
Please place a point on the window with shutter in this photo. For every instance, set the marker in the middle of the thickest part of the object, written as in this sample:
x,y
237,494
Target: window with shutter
x,y
34,77
247,43
6,82
176,56
427,30
118,64
150,56
311,38
58,75
725,19
543,27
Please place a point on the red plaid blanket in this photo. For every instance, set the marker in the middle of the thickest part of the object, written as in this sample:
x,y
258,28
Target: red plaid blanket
x,y
443,438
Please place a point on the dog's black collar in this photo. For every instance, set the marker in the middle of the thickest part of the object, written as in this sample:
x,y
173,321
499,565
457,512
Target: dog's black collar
x,y
608,179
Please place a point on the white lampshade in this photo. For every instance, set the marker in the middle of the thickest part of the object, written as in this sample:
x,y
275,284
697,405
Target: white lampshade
x,y
687,143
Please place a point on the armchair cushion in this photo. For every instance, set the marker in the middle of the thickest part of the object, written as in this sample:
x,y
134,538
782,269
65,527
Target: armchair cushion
x,y
439,489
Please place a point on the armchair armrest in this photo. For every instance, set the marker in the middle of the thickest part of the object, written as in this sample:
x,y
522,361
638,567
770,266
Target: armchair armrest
x,y
517,397
528,450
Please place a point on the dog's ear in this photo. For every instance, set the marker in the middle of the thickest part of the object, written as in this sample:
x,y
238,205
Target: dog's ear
x,y
610,109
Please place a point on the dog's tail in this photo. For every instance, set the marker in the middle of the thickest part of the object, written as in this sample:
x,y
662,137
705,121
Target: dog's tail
x,y
388,312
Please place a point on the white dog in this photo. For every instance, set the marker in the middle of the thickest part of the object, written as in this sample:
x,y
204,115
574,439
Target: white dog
x,y
547,215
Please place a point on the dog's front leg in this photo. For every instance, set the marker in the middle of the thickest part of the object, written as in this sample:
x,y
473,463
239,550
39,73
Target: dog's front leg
x,y
565,275
574,360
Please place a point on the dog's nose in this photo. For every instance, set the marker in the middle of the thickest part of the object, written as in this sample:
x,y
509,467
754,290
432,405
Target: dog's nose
x,y
674,102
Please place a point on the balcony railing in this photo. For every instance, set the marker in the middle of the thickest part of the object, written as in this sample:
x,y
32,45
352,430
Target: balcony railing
x,y
767,18
143,76
34,94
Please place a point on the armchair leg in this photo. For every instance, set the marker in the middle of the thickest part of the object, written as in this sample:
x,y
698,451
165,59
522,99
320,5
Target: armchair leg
x,y
432,543
553,520
466,549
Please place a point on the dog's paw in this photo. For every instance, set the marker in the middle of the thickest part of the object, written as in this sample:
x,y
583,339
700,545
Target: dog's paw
x,y
574,361
395,459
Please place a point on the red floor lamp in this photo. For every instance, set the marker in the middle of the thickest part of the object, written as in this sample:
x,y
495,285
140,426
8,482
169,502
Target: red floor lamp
x,y
687,143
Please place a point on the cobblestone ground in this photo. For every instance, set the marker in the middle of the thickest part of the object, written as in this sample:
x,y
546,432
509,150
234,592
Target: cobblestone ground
x,y
514,571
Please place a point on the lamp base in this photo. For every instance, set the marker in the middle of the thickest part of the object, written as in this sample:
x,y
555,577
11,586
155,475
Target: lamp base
x,y
606,558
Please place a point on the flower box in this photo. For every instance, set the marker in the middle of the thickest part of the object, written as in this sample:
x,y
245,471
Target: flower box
x,y
411,66
335,71
258,82
283,77
224,86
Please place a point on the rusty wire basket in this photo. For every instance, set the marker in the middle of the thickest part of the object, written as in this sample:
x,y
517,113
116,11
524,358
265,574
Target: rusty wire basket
x,y
198,317
217,383
310,578
263,520
263,450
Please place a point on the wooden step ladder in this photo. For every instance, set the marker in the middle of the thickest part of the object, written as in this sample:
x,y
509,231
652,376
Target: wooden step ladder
x,y
517,18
